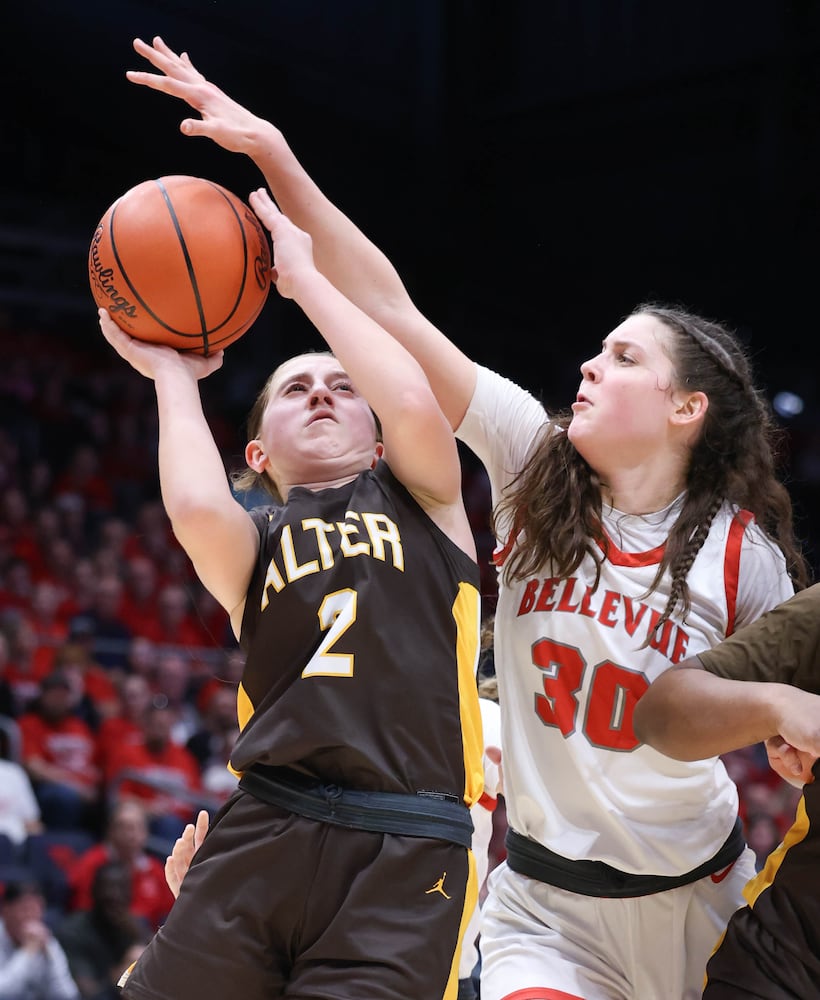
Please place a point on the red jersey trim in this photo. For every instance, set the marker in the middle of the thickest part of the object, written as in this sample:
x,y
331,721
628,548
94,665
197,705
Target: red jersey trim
x,y
488,802
731,563
632,559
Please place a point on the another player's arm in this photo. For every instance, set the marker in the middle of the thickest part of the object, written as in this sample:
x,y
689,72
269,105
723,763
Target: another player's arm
x,y
342,252
419,444
215,531
690,714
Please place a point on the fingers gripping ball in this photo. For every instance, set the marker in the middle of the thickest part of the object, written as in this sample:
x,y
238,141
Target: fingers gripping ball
x,y
181,261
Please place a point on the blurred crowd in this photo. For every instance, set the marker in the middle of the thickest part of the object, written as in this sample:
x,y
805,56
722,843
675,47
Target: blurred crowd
x,y
118,671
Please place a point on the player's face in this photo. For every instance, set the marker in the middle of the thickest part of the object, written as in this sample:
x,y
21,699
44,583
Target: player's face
x,y
622,412
316,427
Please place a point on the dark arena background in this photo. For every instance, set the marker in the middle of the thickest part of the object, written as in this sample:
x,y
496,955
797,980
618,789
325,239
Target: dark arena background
x,y
534,168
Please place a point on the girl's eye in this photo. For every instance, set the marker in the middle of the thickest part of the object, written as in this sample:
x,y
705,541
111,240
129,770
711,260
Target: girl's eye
x,y
346,386
295,387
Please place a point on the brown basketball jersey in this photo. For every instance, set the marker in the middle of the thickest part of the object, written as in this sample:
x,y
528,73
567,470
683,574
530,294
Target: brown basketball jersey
x,y
771,948
361,630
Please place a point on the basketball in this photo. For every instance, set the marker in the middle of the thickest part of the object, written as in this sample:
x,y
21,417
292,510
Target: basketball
x,y
181,261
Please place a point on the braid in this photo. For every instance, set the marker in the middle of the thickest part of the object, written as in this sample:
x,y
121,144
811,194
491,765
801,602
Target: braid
x,y
680,564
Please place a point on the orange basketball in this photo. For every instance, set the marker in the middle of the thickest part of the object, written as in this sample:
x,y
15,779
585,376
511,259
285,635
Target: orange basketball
x,y
181,261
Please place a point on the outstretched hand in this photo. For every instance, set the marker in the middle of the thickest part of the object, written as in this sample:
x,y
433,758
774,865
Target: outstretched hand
x,y
187,844
148,359
229,124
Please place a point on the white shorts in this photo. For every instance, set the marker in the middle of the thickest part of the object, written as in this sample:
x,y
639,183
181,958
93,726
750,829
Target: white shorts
x,y
539,942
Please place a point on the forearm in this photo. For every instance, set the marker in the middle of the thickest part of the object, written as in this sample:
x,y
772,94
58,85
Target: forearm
x,y
192,473
690,714
362,272
341,250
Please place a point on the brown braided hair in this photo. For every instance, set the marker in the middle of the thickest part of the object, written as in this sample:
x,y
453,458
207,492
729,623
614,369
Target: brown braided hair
x,y
556,498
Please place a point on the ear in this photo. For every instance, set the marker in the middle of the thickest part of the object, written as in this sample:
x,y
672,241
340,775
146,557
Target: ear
x,y
691,408
377,454
255,456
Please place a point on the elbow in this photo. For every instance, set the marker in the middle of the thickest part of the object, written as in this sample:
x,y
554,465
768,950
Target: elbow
x,y
642,722
656,728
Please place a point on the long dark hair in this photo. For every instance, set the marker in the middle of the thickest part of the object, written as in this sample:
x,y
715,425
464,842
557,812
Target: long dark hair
x,y
556,499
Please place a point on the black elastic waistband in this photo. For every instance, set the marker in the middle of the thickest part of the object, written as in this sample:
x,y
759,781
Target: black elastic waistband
x,y
425,814
595,878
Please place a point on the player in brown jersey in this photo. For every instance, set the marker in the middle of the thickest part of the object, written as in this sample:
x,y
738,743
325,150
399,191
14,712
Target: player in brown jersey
x,y
341,867
761,684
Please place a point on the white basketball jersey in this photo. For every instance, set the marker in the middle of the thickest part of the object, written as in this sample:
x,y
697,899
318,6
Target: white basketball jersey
x,y
570,670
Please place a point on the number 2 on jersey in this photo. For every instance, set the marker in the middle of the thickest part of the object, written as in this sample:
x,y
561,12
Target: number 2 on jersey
x,y
613,693
336,614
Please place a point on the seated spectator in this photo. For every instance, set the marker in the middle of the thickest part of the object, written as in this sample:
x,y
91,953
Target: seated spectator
x,y
142,659
175,624
95,693
152,535
43,615
125,841
161,774
103,626
173,688
19,808
33,965
97,940
82,587
139,602
59,753
24,670
124,727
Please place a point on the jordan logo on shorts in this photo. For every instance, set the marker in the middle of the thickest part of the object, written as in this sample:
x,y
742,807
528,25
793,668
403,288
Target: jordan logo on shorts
x,y
438,887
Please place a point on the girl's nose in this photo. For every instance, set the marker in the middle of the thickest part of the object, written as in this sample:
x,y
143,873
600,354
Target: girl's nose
x,y
589,369
321,394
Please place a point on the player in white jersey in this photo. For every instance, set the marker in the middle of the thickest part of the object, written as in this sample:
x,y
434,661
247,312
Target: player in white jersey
x,y
640,527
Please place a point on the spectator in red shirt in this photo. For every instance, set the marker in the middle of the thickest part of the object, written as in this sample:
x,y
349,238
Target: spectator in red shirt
x,y
59,752
139,599
126,840
96,695
174,624
24,670
43,614
161,774
126,726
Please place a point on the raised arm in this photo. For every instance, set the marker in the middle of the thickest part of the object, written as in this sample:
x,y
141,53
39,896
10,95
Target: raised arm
x,y
214,530
419,445
342,252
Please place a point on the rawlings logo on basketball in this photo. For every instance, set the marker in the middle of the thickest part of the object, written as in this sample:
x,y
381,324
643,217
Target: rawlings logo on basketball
x,y
101,276
262,262
181,261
